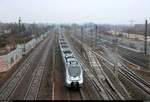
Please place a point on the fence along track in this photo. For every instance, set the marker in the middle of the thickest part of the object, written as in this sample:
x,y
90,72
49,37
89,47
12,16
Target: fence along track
x,y
9,87
11,84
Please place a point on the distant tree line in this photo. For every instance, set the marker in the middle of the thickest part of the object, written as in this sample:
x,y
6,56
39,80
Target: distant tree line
x,y
20,34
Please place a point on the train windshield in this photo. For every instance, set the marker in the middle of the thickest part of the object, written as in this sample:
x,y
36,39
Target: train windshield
x,y
71,60
64,46
67,52
74,71
62,39
63,43
70,57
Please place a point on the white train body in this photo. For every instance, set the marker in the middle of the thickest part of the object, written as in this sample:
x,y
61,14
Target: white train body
x,y
73,69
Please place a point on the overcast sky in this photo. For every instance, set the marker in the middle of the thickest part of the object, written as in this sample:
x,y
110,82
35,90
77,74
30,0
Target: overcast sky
x,y
75,11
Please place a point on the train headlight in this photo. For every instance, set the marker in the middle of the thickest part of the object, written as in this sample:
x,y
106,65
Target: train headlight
x,y
68,78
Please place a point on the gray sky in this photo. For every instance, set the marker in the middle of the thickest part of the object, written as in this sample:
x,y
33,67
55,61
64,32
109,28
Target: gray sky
x,y
78,11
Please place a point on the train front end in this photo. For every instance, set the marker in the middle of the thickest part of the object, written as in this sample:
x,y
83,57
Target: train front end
x,y
74,77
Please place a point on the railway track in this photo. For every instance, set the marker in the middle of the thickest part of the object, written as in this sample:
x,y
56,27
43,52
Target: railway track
x,y
135,57
34,86
83,97
137,80
89,75
76,94
8,89
94,80
59,91
132,57
125,69
106,90
106,84
130,75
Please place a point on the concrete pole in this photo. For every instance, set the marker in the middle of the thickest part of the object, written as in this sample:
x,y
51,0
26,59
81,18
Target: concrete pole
x,y
116,62
19,24
148,61
95,36
81,39
116,54
145,44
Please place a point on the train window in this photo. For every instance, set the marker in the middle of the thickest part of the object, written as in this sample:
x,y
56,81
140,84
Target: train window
x,y
62,39
64,46
69,57
63,43
72,60
67,52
